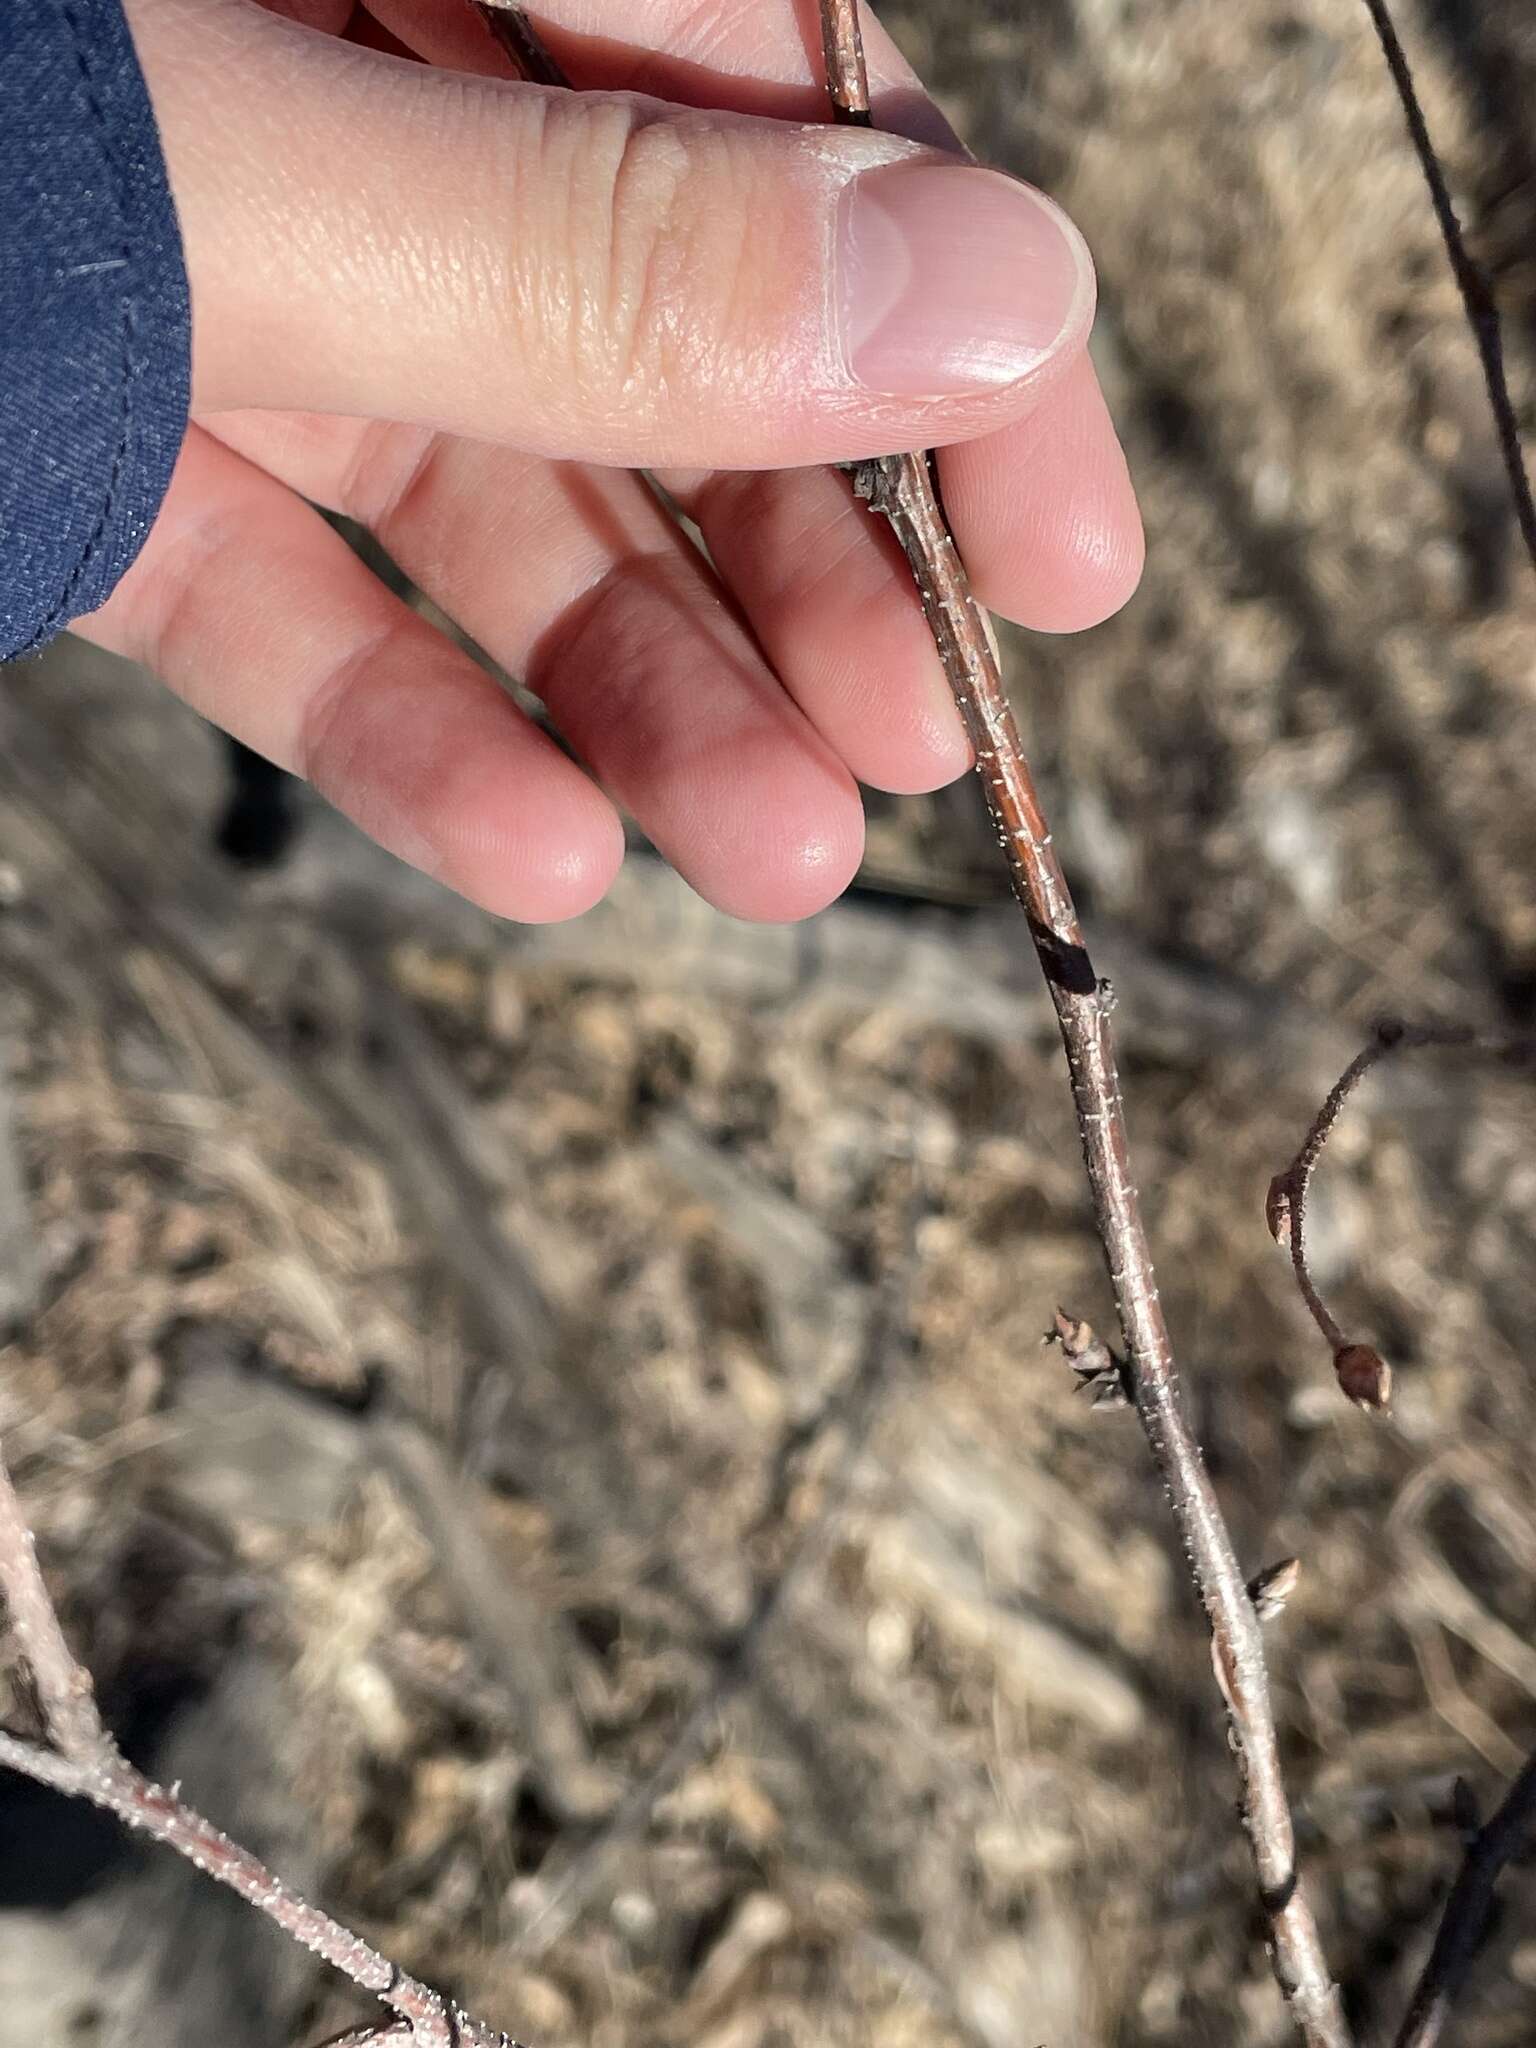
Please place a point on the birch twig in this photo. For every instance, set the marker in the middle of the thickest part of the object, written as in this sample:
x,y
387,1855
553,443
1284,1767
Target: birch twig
x,y
511,27
905,488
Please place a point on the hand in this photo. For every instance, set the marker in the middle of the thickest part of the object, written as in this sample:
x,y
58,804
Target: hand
x,y
460,308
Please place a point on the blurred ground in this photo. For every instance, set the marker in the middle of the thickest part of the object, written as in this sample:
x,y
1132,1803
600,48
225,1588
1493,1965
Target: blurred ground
x,y
548,1432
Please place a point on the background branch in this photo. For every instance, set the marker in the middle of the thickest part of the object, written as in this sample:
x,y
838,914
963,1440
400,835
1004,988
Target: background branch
x,y
1363,1374
1477,299
65,1695
1468,1910
85,1763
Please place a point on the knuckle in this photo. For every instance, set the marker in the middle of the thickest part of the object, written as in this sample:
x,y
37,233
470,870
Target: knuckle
x,y
392,470
653,226
335,725
651,257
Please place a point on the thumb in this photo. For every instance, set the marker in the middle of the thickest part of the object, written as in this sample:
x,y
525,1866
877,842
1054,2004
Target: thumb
x,y
594,276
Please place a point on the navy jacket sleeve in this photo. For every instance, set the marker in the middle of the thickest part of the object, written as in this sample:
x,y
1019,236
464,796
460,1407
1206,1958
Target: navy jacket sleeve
x,y
95,328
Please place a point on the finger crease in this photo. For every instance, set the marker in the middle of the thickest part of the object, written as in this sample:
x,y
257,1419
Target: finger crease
x,y
320,743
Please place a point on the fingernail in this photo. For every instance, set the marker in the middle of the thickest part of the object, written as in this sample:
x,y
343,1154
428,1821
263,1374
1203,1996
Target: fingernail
x,y
953,279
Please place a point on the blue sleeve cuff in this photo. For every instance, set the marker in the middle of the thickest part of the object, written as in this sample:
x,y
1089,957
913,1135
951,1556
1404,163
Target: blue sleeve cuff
x,y
95,320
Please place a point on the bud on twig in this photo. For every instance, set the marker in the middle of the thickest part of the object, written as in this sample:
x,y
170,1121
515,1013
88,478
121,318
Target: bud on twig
x,y
1364,1376
1273,1587
1102,1373
1277,1208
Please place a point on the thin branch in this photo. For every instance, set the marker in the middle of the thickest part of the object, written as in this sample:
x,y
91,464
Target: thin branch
x,y
842,45
1366,1378
1477,298
510,25
905,489
64,1691
388,2034
85,1763
1468,1911
1363,1373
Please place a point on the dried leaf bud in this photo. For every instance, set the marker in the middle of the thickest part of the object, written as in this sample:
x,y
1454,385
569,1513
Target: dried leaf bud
x,y
1277,1208
1101,1374
1364,1376
1222,1665
1073,1334
1111,1388
1273,1587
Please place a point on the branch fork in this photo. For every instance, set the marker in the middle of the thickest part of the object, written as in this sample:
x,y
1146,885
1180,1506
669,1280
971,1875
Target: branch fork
x,y
78,1756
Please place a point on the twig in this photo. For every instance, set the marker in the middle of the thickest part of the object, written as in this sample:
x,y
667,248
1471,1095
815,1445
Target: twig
x,y
389,2034
1367,1379
20,1263
81,1760
1476,297
64,1691
1468,1910
1363,1373
842,45
510,25
905,489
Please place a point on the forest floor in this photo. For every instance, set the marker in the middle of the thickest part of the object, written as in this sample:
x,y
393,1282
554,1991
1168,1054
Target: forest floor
x,y
547,1432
